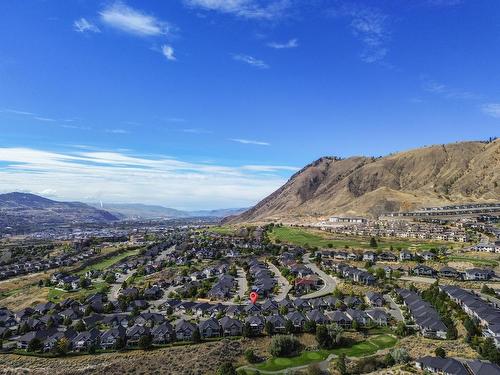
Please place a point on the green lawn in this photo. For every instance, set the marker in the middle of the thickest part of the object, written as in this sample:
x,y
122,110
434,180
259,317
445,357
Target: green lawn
x,y
56,295
474,260
314,238
361,349
223,230
106,263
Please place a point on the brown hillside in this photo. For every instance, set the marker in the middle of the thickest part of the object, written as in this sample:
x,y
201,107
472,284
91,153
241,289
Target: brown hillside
x,y
435,175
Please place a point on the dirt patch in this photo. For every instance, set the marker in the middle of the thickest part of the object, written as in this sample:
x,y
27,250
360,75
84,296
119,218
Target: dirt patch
x,y
187,360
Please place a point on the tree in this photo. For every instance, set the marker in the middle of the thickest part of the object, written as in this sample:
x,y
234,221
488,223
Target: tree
x,y
322,336
373,242
226,368
63,346
110,278
67,321
310,326
35,345
284,346
380,274
145,342
401,329
329,336
80,326
268,328
340,364
120,343
440,352
247,330
196,336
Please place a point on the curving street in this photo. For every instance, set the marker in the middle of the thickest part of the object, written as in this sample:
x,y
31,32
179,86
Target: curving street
x,y
330,283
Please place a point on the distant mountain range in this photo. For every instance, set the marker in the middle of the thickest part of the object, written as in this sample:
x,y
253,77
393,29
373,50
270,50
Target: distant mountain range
x,y
25,212
465,172
144,211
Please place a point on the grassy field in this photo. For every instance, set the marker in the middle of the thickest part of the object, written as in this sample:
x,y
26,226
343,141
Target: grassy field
x,y
106,263
361,349
57,295
225,230
317,238
474,260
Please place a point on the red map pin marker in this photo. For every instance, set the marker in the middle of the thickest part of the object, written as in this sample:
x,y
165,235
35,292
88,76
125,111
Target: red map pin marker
x,y
254,297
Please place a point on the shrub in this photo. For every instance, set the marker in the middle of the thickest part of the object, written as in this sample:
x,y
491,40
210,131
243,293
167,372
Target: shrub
x,y
400,355
226,368
439,352
284,346
250,356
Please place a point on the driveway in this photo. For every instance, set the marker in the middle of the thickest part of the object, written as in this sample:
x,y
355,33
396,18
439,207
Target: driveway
x,y
394,309
282,282
329,281
242,284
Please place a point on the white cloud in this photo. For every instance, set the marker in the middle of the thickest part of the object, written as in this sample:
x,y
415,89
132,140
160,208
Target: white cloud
x,y
370,26
130,20
120,177
168,52
445,91
252,9
491,109
250,142
251,61
292,43
82,25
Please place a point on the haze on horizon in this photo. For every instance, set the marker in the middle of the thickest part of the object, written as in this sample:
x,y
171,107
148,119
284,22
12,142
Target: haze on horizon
x,y
196,104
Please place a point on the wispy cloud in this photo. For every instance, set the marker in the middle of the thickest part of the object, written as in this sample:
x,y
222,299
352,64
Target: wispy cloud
x,y
370,26
124,177
117,131
446,91
250,60
491,109
34,116
250,142
82,25
292,43
122,17
195,131
444,3
252,9
168,52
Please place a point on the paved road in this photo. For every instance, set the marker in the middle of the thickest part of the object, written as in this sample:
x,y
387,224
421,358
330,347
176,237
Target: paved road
x,y
329,281
242,284
394,310
116,287
114,291
282,282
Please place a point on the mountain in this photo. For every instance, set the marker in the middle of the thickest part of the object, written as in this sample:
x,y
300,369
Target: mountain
x,y
223,212
144,211
141,211
25,212
430,176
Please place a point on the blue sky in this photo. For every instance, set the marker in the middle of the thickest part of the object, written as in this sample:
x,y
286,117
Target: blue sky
x,y
215,103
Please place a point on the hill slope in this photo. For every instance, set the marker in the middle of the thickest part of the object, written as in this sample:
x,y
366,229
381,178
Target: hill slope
x,y
24,212
435,175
